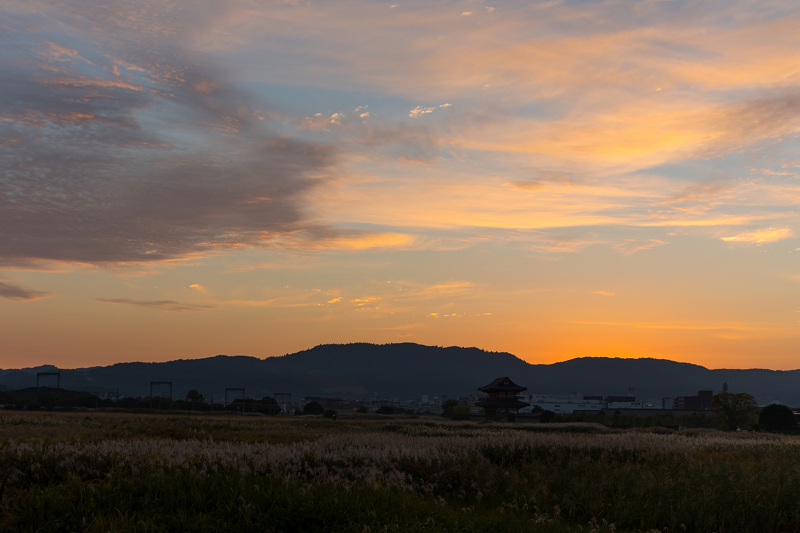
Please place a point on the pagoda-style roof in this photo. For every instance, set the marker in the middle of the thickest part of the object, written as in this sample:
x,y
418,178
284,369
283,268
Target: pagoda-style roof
x,y
502,385
502,403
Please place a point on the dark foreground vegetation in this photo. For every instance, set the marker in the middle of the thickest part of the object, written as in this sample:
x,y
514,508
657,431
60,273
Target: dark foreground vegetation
x,y
64,400
114,472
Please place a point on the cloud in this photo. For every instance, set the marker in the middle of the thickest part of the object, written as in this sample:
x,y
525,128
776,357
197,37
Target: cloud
x,y
630,246
762,236
453,287
419,111
115,151
198,288
639,87
604,293
121,148
357,242
19,294
160,305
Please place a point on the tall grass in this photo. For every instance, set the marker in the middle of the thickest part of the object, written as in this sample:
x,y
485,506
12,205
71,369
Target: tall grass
x,y
415,476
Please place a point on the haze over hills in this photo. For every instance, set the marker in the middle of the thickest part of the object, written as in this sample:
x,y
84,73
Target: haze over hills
x,y
410,370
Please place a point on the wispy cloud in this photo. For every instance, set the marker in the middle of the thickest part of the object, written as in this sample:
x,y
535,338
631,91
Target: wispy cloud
x,y
419,111
20,294
160,305
630,246
151,153
761,236
355,242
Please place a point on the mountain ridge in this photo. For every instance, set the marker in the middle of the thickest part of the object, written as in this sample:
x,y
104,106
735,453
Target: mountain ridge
x,y
409,370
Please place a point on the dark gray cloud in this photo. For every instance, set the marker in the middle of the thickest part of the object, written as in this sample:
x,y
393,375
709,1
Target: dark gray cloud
x,y
14,292
160,305
117,145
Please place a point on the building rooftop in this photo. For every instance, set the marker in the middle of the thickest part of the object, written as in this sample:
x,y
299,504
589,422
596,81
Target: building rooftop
x,y
499,403
502,385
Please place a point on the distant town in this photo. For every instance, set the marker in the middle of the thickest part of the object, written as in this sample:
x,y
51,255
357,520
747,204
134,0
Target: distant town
x,y
528,407
500,400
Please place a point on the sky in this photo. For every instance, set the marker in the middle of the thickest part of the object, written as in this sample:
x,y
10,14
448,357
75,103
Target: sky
x,y
554,179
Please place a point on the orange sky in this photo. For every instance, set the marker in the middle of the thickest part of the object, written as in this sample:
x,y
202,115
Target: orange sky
x,y
551,179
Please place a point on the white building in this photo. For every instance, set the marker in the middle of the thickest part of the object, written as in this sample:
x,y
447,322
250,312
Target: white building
x,y
626,405
561,404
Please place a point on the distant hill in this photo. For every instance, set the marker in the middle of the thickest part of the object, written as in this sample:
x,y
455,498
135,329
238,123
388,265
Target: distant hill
x,y
410,370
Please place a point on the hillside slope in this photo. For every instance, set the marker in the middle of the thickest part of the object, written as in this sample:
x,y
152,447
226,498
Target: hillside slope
x,y
410,370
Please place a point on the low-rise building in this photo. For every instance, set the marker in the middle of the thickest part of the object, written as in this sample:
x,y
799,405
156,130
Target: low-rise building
x,y
563,404
701,402
626,405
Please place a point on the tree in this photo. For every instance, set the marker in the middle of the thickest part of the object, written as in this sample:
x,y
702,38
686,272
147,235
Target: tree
x,y
447,408
313,408
736,409
194,396
776,417
547,417
461,412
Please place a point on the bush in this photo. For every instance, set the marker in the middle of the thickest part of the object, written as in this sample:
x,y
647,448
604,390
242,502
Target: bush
x,y
330,413
547,417
447,408
461,412
313,408
776,417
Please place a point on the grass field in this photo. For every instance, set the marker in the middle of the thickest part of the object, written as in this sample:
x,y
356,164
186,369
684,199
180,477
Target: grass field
x,y
103,472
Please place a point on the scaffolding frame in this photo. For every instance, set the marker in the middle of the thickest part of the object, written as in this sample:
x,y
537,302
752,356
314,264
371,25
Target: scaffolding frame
x,y
159,383
283,398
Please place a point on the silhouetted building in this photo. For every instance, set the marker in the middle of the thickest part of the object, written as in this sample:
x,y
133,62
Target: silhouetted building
x,y
502,398
701,402
626,399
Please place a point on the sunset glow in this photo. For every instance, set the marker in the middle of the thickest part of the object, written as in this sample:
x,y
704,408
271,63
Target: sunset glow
x,y
553,179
